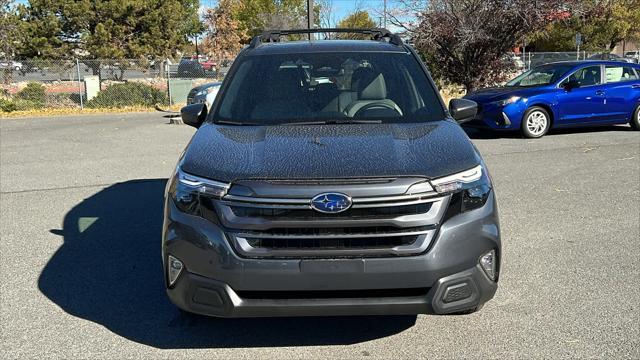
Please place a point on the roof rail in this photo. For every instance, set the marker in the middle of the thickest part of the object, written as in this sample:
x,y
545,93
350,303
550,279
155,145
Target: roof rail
x,y
376,34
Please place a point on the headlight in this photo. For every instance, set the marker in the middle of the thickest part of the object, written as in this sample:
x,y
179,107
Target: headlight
x,y
189,189
202,92
508,101
472,187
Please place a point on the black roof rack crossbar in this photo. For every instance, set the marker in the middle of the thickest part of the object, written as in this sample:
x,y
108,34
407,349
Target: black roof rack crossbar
x,y
376,34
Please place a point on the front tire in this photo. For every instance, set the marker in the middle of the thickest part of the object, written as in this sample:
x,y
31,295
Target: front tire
x,y
536,122
635,120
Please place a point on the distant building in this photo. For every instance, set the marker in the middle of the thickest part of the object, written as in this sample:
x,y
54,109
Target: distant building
x,y
625,46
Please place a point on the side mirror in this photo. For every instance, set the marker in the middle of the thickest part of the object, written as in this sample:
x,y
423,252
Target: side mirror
x,y
463,110
194,114
570,85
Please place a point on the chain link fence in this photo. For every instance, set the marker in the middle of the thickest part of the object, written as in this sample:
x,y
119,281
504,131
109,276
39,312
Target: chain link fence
x,y
142,83
80,84
533,59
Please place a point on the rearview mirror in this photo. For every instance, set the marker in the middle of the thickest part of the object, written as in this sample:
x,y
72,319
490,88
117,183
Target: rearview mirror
x,y
463,110
570,85
194,114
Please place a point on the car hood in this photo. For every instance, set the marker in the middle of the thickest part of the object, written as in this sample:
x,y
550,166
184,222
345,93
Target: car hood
x,y
205,86
228,153
494,94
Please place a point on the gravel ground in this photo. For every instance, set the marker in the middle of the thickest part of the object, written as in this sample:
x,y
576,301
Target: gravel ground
x,y
79,254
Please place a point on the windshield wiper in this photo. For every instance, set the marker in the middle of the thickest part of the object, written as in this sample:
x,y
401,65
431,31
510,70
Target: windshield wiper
x,y
334,122
236,123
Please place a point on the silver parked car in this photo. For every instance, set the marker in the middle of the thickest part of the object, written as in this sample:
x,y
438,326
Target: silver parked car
x,y
12,65
610,57
198,95
634,56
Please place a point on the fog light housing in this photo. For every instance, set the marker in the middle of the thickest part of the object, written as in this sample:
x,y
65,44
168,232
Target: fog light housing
x,y
174,268
488,264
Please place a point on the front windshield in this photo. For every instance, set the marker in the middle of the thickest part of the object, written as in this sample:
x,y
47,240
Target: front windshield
x,y
541,75
316,87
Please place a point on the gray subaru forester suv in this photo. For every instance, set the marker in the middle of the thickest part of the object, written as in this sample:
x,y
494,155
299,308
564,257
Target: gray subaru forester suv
x,y
328,178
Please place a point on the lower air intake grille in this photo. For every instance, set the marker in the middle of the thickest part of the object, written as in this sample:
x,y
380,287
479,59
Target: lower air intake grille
x,y
333,294
330,244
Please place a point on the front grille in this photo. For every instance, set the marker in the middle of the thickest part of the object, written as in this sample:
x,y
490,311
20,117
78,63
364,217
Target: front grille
x,y
383,226
361,231
310,214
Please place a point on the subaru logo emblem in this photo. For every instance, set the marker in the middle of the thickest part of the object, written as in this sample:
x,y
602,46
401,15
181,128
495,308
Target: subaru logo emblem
x,y
331,202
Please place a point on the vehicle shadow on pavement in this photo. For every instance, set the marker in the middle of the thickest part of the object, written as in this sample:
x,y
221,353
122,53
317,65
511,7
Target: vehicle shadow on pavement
x,y
109,271
486,134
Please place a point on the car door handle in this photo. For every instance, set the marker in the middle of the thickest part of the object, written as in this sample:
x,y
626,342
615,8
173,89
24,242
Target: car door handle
x,y
600,92
635,86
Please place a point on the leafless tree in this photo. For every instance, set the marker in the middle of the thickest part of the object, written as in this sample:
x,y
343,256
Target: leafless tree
x,y
327,13
404,14
466,40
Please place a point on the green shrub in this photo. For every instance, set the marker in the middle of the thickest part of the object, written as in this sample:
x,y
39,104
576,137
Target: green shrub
x,y
18,105
128,94
33,93
7,105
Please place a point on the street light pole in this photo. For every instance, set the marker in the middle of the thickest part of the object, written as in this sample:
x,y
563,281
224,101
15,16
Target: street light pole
x,y
309,16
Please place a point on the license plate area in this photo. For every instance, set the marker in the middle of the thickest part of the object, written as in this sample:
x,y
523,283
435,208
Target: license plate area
x,y
332,266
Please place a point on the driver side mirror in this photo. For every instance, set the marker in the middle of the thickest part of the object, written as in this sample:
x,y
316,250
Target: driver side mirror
x,y
570,85
463,110
194,114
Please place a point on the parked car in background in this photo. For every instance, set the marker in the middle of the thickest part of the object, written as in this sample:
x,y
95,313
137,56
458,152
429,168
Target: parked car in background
x,y
609,57
208,64
540,58
359,195
198,95
190,69
633,55
10,64
562,95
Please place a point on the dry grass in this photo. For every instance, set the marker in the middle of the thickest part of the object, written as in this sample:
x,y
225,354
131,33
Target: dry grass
x,y
77,111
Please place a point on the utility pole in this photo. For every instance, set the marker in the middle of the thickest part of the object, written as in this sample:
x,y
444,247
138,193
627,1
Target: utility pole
x,y
385,14
309,16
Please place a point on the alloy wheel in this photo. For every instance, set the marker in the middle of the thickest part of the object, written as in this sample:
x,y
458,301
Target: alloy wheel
x,y
537,123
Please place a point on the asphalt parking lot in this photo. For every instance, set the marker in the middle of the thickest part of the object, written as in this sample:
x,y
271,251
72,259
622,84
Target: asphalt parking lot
x,y
81,211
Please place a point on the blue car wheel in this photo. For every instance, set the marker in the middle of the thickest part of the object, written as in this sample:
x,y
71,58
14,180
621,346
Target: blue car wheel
x,y
635,120
535,122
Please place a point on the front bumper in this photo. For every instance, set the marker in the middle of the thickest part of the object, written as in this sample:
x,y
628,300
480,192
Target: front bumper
x,y
499,117
215,278
201,295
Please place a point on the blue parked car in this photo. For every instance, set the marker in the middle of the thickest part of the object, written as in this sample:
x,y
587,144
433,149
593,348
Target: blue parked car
x,y
562,94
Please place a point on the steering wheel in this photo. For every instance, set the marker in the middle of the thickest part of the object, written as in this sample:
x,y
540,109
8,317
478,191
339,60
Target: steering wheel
x,y
377,105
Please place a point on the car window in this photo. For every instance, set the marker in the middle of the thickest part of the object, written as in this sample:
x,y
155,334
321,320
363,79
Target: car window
x,y
541,75
302,87
590,75
616,73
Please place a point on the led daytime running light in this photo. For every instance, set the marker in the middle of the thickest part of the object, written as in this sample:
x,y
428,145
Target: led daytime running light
x,y
454,182
203,185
